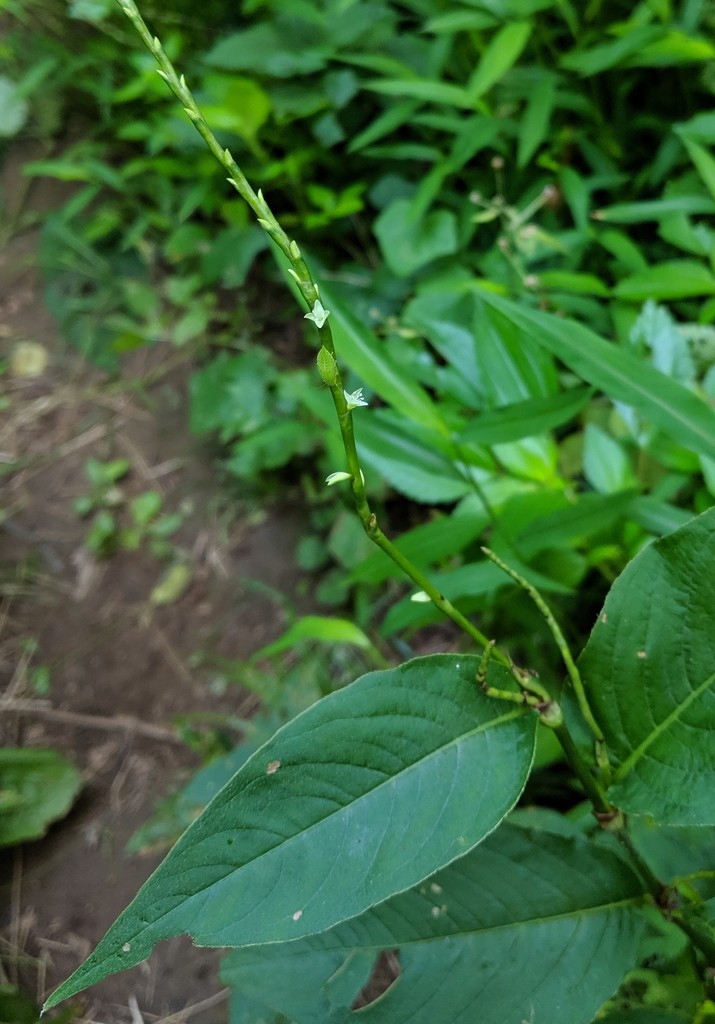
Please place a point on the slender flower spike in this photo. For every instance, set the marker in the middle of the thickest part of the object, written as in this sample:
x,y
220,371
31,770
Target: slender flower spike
x,y
337,478
355,400
318,315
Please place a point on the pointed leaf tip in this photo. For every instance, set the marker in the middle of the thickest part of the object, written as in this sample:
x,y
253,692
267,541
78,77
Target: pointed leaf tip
x,y
417,751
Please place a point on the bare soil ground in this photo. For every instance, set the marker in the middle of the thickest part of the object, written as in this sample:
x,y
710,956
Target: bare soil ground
x,y
120,668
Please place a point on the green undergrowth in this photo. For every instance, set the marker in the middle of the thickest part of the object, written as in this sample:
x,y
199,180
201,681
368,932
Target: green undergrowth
x,y
432,158
508,206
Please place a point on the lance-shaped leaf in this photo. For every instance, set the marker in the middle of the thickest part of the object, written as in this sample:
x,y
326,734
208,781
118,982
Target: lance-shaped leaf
x,y
649,671
525,419
529,926
363,795
619,373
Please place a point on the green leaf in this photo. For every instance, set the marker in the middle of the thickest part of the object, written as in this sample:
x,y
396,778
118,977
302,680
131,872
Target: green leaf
x,y
534,125
656,516
606,465
236,104
497,362
409,243
316,627
229,394
145,507
416,469
36,788
608,55
677,279
576,523
172,584
360,349
649,669
263,48
673,49
704,162
424,545
656,331
654,209
429,91
459,21
525,419
13,108
320,823
567,281
396,115
619,373
502,52
530,926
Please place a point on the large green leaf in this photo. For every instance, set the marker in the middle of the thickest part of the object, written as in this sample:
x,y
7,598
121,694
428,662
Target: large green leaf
x,y
649,670
619,373
363,795
529,926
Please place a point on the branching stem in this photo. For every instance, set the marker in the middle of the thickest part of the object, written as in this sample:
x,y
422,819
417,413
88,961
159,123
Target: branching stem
x,y
532,693
310,293
560,641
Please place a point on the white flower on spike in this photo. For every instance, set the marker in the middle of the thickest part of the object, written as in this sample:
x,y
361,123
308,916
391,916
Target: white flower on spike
x,y
355,400
318,314
337,478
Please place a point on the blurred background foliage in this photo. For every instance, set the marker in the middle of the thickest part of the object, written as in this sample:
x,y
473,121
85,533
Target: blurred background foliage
x,y
434,158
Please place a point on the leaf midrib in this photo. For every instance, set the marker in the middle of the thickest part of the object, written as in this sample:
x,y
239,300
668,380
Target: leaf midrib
x,y
205,892
625,902
666,723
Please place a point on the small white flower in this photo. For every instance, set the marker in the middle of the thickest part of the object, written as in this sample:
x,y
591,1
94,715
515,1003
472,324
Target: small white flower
x,y
318,314
355,400
337,478
421,598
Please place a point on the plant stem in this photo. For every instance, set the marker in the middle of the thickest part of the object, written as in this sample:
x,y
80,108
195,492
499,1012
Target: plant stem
x,y
310,294
657,889
609,817
699,934
559,639
592,787
330,373
376,535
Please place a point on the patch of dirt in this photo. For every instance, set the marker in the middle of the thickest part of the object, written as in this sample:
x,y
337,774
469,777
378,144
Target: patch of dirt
x,y
120,667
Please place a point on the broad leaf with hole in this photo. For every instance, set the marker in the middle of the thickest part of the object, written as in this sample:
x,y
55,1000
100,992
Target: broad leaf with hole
x,y
649,670
529,926
362,796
